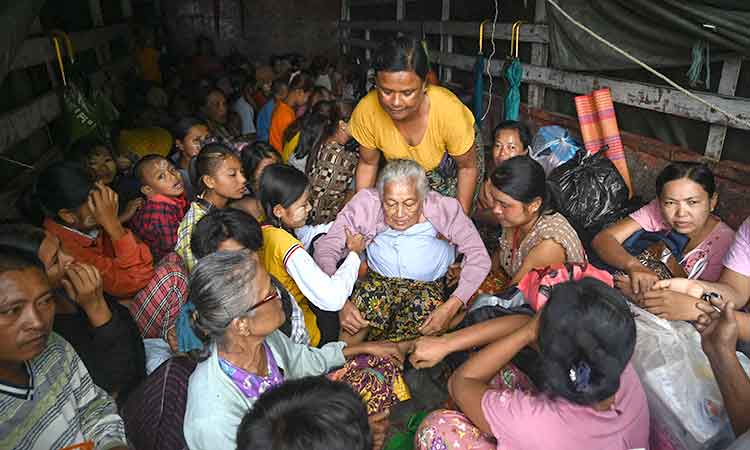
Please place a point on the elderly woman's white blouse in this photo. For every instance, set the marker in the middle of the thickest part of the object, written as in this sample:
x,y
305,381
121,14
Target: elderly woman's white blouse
x,y
415,253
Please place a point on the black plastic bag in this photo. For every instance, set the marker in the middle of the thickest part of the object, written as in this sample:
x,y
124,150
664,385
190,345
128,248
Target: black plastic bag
x,y
592,192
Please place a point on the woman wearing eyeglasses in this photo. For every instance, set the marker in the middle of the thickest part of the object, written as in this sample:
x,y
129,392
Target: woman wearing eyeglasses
x,y
238,314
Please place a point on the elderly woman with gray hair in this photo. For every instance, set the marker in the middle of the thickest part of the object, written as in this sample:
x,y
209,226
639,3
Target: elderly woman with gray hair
x,y
413,235
238,314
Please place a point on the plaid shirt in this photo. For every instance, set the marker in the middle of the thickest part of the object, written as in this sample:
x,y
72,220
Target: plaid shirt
x,y
198,209
156,223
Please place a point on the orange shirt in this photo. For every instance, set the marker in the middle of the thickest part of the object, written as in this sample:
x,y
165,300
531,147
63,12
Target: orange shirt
x,y
283,116
126,265
148,60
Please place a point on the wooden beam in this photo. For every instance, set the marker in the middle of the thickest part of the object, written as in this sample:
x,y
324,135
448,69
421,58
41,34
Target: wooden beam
x,y
22,122
345,32
730,73
529,33
97,19
539,56
446,41
127,9
97,16
363,43
368,49
641,95
375,2
38,50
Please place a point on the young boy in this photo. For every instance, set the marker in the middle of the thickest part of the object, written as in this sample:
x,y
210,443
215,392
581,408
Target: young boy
x,y
157,221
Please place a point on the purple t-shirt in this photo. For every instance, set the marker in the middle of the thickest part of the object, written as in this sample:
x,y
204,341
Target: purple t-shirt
x,y
520,420
704,261
738,255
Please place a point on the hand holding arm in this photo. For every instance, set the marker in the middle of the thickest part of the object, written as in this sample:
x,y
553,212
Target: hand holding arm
x,y
469,383
429,351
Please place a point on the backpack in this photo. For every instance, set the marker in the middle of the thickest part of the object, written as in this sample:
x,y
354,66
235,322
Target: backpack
x,y
538,283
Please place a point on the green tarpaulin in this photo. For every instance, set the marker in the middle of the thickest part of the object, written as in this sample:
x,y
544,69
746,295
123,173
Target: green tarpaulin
x,y
660,33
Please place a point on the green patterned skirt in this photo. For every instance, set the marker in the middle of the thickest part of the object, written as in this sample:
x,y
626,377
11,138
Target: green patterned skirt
x,y
396,307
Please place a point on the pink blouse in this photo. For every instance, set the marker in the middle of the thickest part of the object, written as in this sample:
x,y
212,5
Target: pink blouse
x,y
705,261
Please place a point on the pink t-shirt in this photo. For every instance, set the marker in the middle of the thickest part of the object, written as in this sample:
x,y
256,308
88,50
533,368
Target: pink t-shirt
x,y
738,255
520,420
705,261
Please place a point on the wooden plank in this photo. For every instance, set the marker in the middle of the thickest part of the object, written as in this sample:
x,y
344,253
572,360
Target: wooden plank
x,y
529,33
539,56
730,73
641,95
368,49
95,9
363,43
21,123
446,41
374,2
345,32
127,9
38,50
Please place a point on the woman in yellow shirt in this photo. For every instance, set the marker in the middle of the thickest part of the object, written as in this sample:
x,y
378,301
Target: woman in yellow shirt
x,y
407,118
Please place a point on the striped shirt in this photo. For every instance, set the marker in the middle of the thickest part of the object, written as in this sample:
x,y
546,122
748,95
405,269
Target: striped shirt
x,y
60,407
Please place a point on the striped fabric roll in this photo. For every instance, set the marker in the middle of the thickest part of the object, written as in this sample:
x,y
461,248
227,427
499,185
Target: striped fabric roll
x,y
598,122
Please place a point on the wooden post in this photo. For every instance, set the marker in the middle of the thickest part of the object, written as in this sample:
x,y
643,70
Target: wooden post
x,y
97,20
446,42
539,56
400,10
345,32
730,72
127,9
368,51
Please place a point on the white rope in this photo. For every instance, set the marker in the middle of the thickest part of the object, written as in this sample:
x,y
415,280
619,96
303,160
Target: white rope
x,y
648,68
488,64
13,161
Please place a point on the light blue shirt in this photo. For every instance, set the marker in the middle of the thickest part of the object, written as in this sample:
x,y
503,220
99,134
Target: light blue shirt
x,y
264,120
415,253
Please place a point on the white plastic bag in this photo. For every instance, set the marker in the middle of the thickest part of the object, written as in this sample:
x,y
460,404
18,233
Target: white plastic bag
x,y
683,396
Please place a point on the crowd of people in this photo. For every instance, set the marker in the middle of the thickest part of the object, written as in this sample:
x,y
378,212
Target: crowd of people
x,y
266,278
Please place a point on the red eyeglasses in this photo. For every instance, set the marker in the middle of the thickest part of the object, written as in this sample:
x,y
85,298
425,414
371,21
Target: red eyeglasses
x,y
269,298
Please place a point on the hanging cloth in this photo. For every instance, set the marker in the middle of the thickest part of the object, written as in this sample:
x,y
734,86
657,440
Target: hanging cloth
x,y
513,75
479,65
